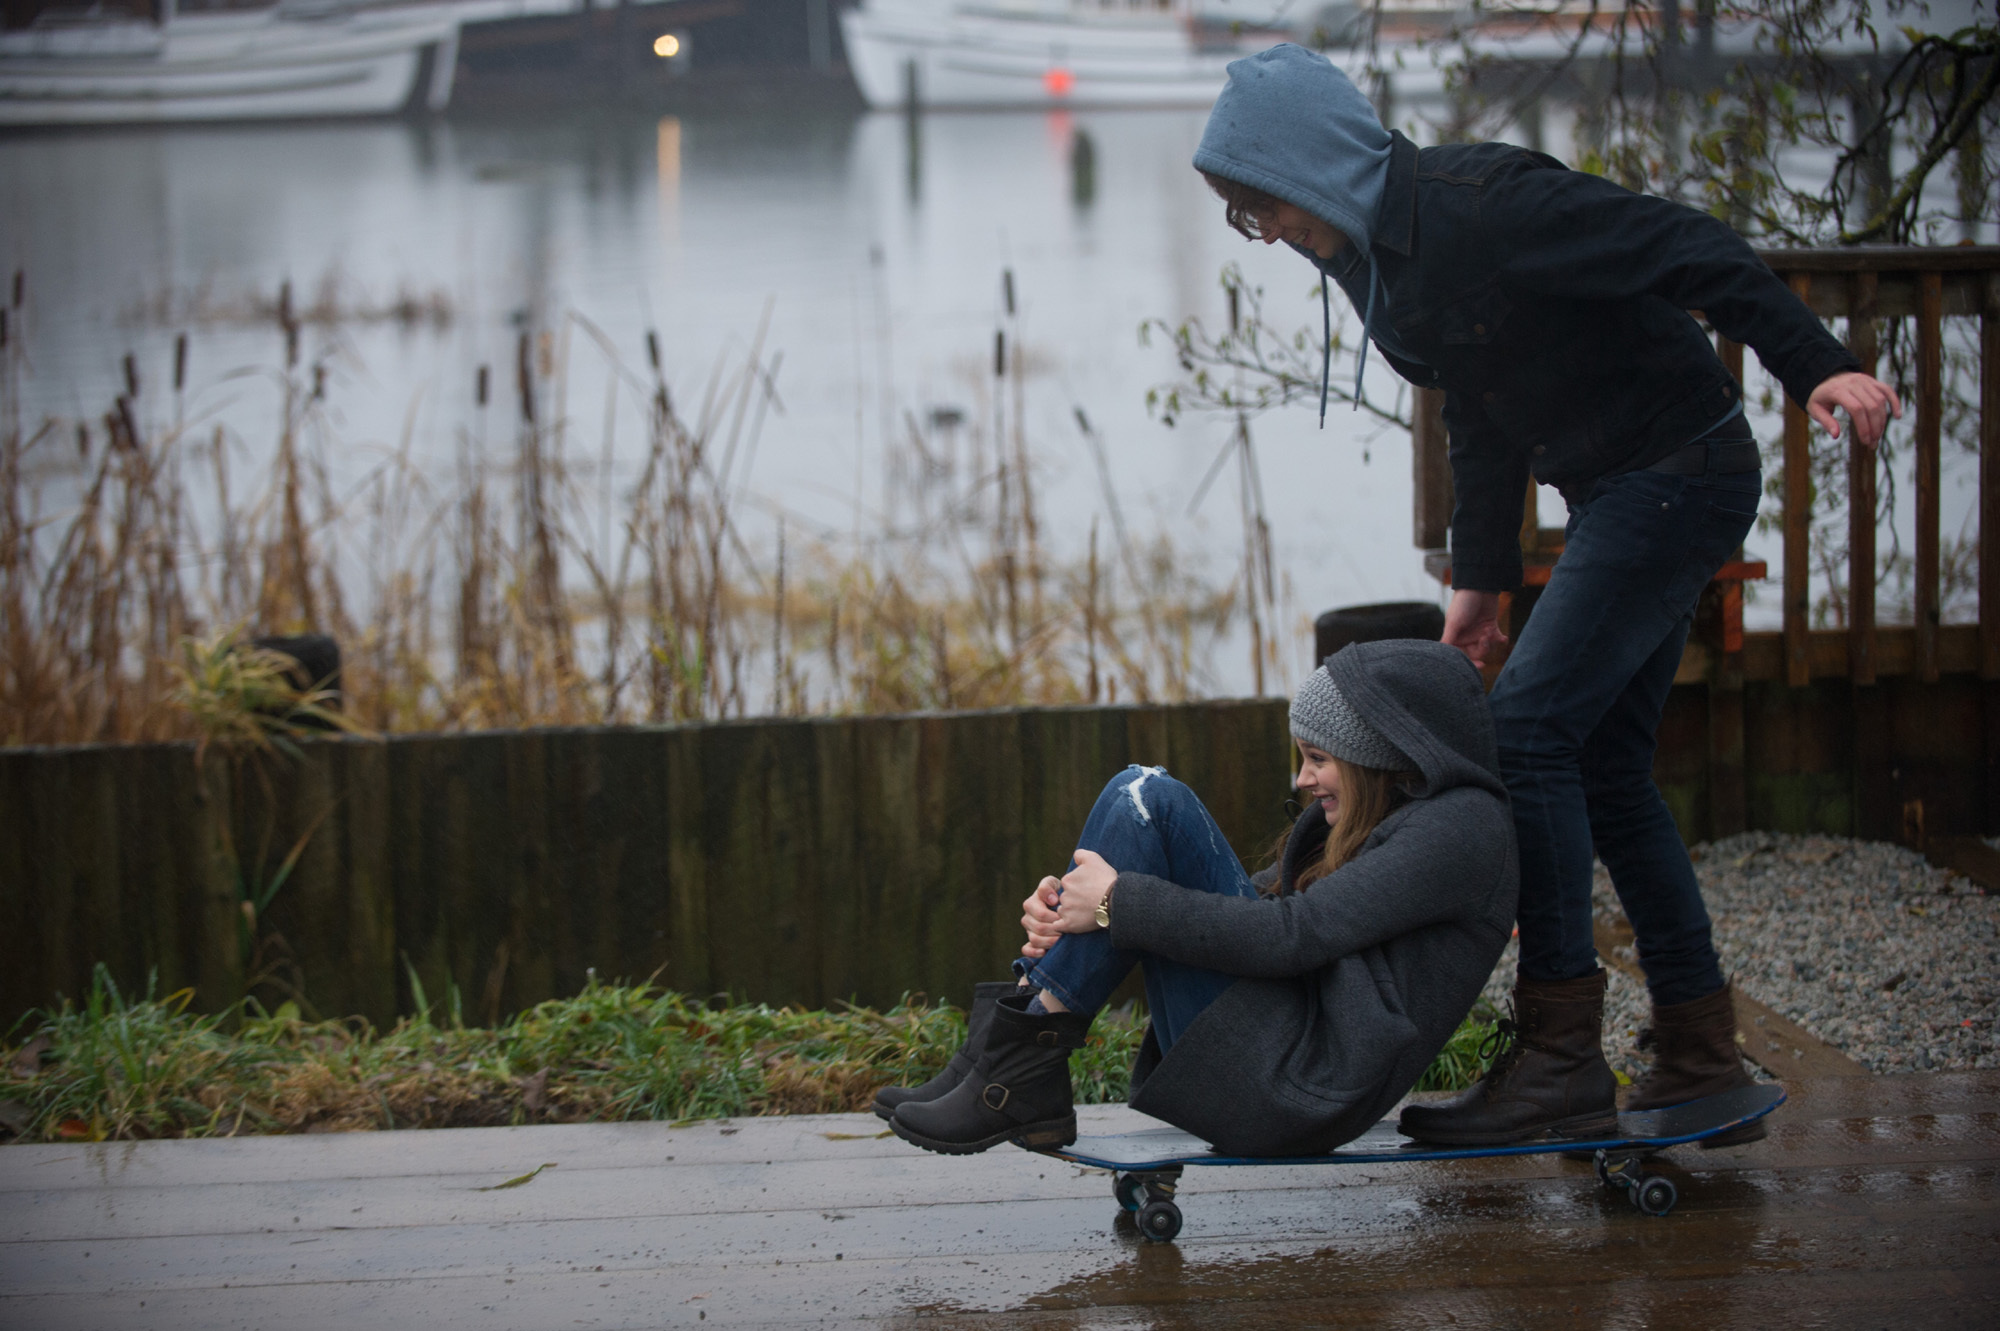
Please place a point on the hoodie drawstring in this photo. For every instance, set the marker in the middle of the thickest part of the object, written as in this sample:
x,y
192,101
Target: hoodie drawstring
x,y
1326,345
1326,332
1367,328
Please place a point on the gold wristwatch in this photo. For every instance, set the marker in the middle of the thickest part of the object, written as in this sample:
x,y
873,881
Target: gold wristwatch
x,y
1104,909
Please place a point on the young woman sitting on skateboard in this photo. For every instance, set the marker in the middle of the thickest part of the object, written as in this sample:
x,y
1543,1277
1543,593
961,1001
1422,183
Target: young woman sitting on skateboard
x,y
1291,1009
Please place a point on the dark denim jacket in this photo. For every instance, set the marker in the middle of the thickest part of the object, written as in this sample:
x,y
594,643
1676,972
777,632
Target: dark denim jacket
x,y
1551,306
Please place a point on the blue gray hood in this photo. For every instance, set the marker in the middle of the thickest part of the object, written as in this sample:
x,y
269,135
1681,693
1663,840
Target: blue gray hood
x,y
1292,125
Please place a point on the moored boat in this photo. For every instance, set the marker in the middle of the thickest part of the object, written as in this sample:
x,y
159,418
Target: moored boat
x,y
1041,53
198,60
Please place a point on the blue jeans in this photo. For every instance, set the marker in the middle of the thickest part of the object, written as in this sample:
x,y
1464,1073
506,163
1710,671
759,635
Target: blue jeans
x,y
1145,822
1577,711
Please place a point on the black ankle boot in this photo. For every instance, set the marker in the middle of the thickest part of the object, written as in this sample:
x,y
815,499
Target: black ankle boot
x,y
978,1019
1017,1089
1551,1082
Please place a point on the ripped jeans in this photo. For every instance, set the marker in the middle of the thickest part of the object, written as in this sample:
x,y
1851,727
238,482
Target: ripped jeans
x,y
1145,822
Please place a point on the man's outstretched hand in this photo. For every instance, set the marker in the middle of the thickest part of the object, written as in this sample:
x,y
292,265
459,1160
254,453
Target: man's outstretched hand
x,y
1472,624
1868,402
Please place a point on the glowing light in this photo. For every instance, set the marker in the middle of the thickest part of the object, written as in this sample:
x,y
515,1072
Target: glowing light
x,y
1059,82
666,46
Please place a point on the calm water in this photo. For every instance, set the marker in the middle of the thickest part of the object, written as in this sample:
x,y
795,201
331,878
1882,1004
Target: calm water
x,y
875,256
877,260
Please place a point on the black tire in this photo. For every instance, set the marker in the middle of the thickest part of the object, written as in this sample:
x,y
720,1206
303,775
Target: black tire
x,y
1130,1190
1372,623
1655,1196
1159,1221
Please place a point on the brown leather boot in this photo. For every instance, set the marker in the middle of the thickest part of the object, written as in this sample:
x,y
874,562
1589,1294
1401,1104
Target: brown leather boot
x,y
1694,1055
1551,1081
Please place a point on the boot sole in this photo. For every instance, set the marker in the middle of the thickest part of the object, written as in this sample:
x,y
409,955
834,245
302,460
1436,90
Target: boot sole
x,y
1585,1126
1743,1136
1040,1136
1749,1132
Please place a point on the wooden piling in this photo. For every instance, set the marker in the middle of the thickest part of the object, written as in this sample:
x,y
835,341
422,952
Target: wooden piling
x,y
1861,498
1929,411
1798,526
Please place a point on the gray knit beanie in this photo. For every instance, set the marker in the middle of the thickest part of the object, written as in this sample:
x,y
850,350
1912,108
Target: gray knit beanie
x,y
1322,718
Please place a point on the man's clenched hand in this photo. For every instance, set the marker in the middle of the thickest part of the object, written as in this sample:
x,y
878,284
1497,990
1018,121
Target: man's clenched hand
x,y
1472,624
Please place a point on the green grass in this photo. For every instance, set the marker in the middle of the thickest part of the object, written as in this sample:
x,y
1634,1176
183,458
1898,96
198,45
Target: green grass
x,y
122,1067
1460,1062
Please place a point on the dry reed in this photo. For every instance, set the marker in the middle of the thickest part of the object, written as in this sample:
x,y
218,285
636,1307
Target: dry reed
x,y
500,595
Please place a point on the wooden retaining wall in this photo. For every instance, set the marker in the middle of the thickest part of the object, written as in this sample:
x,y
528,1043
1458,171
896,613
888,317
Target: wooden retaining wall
x,y
788,861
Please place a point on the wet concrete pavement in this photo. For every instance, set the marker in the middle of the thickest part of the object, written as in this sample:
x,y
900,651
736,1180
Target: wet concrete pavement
x,y
1875,1203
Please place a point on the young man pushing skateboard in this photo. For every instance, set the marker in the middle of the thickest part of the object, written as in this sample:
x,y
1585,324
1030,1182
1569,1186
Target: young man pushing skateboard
x,y
1551,308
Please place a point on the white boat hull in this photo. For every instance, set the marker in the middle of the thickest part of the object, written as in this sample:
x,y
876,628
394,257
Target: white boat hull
x,y
227,67
993,58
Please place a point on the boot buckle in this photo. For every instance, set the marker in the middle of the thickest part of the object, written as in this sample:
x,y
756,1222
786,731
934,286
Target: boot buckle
x,y
1048,1038
986,1096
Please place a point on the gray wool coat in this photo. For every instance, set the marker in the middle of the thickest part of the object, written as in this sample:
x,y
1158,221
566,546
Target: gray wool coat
x,y
1350,987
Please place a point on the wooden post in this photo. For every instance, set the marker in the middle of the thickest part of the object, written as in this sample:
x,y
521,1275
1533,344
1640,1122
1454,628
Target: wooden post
x,y
1875,805
1430,465
218,960
1989,535
1930,402
1989,482
1798,526
1727,790
1861,469
1732,356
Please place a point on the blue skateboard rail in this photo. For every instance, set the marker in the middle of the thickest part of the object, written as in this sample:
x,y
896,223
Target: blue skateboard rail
x,y
1679,1125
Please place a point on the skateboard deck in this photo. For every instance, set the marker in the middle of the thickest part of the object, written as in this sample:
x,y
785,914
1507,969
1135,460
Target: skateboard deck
x,y
1147,1163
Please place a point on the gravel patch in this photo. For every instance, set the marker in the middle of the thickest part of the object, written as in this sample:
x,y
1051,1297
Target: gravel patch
x,y
1889,960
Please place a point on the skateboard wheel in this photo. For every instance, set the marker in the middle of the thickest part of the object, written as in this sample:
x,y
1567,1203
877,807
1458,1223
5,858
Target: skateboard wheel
x,y
1655,1196
1130,1190
1159,1221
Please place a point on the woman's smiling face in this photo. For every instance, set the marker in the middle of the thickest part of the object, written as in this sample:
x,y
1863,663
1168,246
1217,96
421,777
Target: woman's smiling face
x,y
1319,777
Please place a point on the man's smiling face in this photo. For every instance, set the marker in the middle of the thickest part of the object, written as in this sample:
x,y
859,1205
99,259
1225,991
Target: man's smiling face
x,y
1296,226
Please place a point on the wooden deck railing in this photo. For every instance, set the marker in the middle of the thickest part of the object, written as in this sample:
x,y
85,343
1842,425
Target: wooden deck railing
x,y
1862,287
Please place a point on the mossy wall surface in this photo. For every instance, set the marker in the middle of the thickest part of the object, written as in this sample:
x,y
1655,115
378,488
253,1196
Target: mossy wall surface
x,y
802,861
786,861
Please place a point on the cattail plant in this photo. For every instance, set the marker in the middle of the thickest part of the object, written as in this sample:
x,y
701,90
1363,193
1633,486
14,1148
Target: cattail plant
x,y
517,587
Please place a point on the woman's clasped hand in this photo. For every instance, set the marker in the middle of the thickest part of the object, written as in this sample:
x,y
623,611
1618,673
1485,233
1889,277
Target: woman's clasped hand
x,y
1066,905
1286,1010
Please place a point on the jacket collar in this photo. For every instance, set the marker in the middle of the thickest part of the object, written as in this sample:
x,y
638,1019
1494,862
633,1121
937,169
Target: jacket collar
x,y
1307,838
1396,224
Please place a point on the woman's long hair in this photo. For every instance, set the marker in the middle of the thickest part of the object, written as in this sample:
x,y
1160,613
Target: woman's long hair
x,y
1367,795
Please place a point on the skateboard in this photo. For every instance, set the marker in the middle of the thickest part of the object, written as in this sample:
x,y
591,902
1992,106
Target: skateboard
x,y
1146,1166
